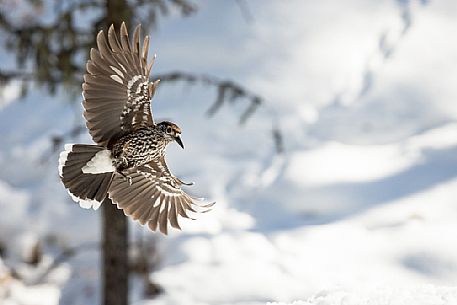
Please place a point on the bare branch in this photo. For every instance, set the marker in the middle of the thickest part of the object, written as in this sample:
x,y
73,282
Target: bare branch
x,y
227,90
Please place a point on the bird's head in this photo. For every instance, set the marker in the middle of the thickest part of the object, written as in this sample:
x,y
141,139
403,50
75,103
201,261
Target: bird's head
x,y
171,132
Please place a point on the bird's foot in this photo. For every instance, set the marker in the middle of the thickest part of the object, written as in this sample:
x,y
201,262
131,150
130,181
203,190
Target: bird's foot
x,y
127,178
185,183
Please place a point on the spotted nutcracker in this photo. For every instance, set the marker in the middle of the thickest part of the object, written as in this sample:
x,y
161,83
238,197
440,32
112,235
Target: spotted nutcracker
x,y
128,163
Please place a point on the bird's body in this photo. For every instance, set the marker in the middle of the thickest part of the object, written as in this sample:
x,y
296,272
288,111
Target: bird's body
x,y
138,148
128,163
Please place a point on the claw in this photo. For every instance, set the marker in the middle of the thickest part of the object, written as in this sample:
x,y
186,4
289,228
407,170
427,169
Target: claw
x,y
209,205
128,178
185,183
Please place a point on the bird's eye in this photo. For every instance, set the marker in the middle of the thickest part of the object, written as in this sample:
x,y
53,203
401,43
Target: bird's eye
x,y
168,130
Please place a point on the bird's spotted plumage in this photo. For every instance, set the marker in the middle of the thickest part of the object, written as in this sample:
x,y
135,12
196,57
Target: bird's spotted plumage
x,y
128,164
139,147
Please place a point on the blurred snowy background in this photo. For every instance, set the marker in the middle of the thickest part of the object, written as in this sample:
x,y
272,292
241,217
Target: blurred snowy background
x,y
354,203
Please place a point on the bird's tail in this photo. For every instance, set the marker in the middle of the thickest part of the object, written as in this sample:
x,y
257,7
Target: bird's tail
x,y
87,172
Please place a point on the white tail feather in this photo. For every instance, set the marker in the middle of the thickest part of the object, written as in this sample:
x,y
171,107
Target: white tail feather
x,y
63,157
100,163
86,203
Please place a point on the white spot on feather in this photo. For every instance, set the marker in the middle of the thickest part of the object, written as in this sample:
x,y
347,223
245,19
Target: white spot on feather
x,y
133,80
100,163
86,203
117,79
123,68
118,72
141,87
96,204
157,202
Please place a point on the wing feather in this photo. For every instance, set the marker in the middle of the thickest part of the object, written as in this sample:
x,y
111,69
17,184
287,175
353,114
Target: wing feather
x,y
116,86
144,56
145,212
113,41
136,41
173,215
154,218
153,196
163,218
124,38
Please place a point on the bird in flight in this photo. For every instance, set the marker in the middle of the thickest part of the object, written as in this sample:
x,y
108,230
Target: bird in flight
x,y
128,163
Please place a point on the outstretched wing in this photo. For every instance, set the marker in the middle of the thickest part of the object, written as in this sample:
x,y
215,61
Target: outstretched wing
x,y
116,87
152,195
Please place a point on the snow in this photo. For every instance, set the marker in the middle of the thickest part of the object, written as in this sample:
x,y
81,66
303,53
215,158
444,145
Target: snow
x,y
335,162
35,295
406,242
14,291
422,295
359,209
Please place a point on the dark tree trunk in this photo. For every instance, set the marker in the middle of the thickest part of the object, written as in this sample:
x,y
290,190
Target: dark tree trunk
x,y
115,255
117,11
115,225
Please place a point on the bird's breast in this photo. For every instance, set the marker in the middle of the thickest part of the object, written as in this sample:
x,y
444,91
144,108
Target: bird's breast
x,y
139,147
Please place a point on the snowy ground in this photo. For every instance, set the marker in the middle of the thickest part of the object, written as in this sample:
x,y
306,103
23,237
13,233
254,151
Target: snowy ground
x,y
361,208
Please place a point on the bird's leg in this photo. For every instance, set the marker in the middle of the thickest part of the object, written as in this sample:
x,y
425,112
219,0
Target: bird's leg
x,y
128,178
120,166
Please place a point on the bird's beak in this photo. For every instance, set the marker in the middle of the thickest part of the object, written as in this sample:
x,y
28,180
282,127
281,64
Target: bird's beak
x,y
178,139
